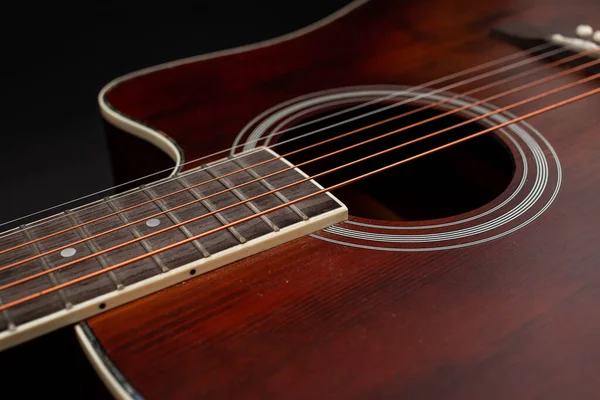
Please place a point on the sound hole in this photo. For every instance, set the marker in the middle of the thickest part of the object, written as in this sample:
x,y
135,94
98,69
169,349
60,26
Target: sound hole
x,y
446,183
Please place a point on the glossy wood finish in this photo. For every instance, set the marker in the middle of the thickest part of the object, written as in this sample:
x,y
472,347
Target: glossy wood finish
x,y
512,318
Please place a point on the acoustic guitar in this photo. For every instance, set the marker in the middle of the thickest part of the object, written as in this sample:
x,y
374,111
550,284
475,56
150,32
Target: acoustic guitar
x,y
388,203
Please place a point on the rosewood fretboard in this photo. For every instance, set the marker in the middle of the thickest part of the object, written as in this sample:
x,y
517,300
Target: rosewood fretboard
x,y
149,274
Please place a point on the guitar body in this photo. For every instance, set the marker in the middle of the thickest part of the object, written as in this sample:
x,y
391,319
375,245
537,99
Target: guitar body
x,y
496,300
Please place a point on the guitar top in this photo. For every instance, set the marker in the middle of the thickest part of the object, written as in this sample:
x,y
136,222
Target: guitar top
x,y
400,200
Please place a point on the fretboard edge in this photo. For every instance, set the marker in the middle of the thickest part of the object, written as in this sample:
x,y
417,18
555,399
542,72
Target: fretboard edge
x,y
89,308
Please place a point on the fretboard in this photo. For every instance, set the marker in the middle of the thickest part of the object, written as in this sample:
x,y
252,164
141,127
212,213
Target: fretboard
x,y
91,232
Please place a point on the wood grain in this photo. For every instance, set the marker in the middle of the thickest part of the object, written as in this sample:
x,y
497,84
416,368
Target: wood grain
x,y
512,318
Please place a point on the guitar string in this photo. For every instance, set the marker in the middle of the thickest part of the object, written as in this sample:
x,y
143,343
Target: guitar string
x,y
68,264
267,161
322,191
131,223
422,86
545,66
502,94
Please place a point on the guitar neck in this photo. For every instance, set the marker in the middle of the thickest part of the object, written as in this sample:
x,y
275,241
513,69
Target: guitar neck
x,y
70,258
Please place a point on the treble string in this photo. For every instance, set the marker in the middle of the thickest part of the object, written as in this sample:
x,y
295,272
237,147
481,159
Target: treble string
x,y
505,80
454,111
522,102
283,205
359,106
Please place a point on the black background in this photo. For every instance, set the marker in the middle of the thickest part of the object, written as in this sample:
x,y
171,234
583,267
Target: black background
x,y
53,146
57,58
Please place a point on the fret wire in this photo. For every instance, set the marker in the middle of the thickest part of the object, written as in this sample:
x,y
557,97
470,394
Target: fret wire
x,y
94,249
240,196
11,324
45,267
176,220
271,188
211,208
147,247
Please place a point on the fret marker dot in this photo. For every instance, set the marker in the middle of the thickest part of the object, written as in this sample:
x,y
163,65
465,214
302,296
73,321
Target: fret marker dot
x,y
153,222
70,252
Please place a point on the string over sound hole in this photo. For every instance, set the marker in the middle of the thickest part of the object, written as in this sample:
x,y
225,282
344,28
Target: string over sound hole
x,y
446,183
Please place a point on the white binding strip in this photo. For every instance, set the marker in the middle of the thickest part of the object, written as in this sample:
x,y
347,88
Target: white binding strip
x,y
110,300
112,384
158,139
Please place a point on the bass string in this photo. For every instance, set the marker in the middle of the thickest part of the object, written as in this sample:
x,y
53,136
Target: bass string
x,y
330,188
341,112
542,95
539,81
504,80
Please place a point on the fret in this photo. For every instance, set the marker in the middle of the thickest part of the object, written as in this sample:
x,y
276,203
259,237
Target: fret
x,y
218,173
137,234
38,307
138,209
94,249
33,309
210,205
313,206
129,274
184,229
248,230
6,323
270,188
84,290
46,266
213,243
167,260
281,218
